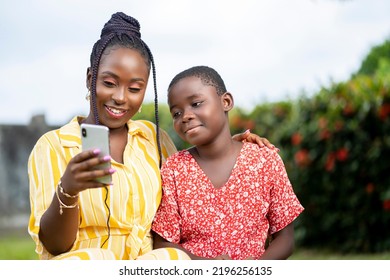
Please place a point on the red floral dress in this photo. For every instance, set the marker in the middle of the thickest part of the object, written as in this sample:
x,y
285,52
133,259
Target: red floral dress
x,y
236,219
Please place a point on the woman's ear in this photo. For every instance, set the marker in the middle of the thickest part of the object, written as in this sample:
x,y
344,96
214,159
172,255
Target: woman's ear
x,y
88,78
228,101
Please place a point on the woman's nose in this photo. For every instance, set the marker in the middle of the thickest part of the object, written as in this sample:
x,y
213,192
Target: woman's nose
x,y
119,96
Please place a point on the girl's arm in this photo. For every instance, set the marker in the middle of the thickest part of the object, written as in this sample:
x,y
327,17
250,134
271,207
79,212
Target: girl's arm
x,y
282,244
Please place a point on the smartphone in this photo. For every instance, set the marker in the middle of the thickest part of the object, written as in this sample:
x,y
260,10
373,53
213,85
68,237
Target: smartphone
x,y
97,137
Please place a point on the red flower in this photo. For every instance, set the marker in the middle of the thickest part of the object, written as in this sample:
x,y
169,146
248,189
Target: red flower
x,y
302,158
342,154
386,205
296,139
329,165
324,134
348,109
384,111
250,124
370,188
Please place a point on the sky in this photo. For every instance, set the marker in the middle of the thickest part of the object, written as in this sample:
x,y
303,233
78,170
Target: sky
x,y
266,51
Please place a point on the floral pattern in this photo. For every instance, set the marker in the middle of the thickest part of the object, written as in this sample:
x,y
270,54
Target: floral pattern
x,y
236,219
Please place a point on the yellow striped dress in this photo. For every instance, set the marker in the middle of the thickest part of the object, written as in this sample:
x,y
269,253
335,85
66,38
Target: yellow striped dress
x,y
133,198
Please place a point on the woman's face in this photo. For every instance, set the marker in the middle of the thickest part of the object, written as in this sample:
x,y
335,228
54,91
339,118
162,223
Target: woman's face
x,y
120,86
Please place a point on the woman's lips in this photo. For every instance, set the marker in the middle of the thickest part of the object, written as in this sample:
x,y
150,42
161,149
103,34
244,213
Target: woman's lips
x,y
115,113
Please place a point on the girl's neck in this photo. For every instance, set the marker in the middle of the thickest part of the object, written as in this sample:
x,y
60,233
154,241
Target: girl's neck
x,y
216,150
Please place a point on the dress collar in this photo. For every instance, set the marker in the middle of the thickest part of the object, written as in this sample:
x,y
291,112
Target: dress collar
x,y
70,135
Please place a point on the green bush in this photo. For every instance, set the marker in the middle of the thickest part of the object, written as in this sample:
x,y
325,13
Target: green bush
x,y
336,148
337,153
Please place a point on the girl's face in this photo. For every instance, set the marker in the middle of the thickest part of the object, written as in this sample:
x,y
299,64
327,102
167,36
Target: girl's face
x,y
120,87
198,112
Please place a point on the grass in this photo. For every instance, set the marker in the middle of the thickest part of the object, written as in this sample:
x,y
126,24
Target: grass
x,y
17,247
306,254
21,247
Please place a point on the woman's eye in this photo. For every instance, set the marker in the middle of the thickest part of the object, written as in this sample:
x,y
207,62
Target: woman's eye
x,y
134,89
109,84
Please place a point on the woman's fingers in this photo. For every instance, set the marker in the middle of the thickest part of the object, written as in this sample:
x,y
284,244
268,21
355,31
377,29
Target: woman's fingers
x,y
84,169
85,155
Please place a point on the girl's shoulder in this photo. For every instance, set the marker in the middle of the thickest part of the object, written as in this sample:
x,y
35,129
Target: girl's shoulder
x,y
180,159
252,148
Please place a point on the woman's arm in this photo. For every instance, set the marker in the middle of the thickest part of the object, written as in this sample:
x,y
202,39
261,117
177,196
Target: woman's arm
x,y
54,219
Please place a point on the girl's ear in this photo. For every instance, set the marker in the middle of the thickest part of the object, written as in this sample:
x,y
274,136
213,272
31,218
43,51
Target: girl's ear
x,y
88,78
228,101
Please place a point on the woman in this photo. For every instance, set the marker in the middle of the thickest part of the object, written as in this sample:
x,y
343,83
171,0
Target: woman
x,y
72,215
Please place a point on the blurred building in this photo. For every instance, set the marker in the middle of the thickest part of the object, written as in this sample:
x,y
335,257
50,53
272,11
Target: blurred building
x,y
16,143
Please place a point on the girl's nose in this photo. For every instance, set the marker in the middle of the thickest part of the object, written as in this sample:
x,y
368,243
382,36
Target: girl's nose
x,y
188,115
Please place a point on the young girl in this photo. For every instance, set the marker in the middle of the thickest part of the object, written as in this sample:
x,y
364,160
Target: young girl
x,y
222,199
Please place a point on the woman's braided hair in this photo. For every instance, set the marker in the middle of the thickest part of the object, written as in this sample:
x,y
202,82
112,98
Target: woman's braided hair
x,y
123,31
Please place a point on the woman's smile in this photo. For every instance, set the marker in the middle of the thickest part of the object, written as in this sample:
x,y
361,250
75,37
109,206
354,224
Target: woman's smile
x,y
114,112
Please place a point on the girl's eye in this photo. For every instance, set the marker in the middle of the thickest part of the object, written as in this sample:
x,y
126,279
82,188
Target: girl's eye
x,y
196,104
175,115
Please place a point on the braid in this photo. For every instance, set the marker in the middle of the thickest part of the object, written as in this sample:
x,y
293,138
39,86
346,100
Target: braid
x,y
95,67
124,31
120,23
155,104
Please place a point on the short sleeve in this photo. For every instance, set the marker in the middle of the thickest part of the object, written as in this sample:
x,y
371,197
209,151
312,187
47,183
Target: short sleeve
x,y
284,204
44,174
167,221
167,146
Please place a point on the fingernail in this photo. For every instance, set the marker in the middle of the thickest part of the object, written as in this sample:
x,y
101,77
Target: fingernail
x,y
106,158
96,151
112,170
248,130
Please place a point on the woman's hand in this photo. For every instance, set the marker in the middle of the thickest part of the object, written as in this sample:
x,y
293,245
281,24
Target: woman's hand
x,y
80,174
247,136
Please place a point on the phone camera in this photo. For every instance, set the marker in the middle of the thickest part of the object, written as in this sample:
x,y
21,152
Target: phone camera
x,y
84,132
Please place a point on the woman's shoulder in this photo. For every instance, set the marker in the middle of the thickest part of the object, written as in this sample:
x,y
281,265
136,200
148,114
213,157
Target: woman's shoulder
x,y
148,129
68,132
145,126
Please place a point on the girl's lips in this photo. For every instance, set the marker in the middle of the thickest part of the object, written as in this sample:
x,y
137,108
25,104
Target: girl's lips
x,y
115,113
192,129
